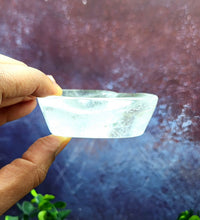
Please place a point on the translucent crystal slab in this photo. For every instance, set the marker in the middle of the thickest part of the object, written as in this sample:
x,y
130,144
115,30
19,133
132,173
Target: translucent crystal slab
x,y
98,113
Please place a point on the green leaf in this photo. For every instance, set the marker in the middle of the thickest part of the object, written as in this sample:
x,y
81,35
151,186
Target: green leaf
x,y
52,214
45,205
19,207
42,215
60,205
39,198
194,217
34,193
49,197
9,217
33,200
41,206
185,215
27,207
25,217
64,213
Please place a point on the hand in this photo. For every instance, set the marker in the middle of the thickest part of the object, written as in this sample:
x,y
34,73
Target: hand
x,y
19,87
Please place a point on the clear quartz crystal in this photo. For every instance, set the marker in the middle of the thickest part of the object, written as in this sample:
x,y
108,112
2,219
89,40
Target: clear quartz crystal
x,y
98,113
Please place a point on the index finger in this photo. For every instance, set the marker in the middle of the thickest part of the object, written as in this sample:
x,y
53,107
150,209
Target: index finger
x,y
9,60
21,80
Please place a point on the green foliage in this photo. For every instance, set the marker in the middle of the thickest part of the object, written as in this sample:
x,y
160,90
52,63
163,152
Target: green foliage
x,y
42,208
11,217
189,215
194,217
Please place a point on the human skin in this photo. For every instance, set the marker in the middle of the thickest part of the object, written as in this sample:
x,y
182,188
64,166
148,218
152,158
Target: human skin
x,y
20,85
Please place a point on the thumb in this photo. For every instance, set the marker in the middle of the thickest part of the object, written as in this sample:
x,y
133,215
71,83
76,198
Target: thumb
x,y
19,177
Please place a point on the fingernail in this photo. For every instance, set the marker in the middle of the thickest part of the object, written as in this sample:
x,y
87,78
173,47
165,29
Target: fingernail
x,y
51,78
59,90
63,142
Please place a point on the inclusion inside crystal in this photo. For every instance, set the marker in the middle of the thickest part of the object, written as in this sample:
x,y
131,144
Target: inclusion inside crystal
x,y
98,113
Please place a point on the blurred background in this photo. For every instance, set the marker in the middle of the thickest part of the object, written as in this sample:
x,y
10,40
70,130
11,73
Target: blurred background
x,y
127,46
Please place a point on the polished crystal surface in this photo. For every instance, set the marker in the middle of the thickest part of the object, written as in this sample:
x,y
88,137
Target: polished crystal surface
x,y
98,113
